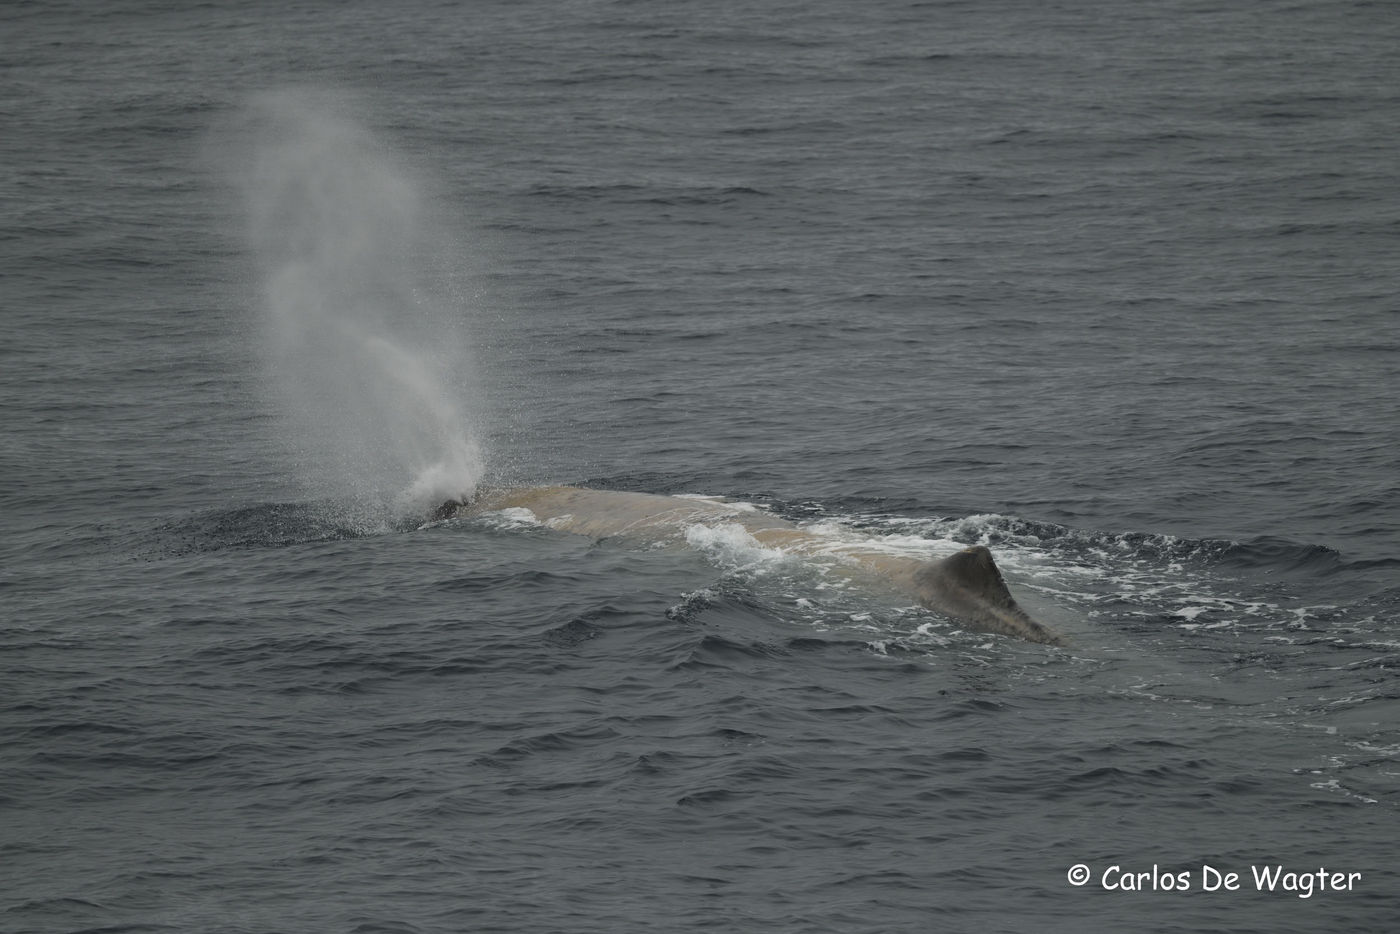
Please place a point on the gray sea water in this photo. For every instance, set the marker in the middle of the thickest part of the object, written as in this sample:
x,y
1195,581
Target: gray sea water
x,y
1109,288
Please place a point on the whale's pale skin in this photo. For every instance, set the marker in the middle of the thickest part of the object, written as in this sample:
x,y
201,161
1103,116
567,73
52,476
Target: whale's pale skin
x,y
967,586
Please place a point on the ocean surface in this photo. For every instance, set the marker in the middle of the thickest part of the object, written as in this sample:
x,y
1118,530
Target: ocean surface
x,y
1110,288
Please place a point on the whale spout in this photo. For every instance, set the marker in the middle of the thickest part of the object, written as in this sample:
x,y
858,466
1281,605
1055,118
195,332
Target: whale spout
x,y
968,586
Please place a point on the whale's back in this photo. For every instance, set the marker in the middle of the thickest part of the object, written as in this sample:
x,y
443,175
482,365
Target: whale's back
x,y
966,586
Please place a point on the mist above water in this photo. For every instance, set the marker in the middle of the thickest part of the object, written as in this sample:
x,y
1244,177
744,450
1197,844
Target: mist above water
x,y
368,363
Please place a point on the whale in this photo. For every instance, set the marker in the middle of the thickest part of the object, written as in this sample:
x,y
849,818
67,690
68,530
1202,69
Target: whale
x,y
967,587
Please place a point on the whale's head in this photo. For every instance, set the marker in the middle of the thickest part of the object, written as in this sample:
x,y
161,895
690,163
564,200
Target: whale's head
x,y
447,510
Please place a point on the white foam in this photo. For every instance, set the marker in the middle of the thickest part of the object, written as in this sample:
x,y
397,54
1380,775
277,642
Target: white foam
x,y
514,517
730,544
1336,787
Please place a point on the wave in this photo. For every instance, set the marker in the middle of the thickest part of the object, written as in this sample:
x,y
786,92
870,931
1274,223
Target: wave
x,y
633,193
1270,553
266,525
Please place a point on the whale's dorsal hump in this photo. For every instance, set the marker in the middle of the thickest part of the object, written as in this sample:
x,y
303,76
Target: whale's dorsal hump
x,y
974,571
969,587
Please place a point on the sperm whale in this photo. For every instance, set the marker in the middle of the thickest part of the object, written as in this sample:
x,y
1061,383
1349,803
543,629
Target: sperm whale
x,y
967,586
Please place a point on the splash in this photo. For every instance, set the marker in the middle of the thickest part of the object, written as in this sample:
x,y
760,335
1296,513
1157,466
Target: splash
x,y
369,365
731,545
